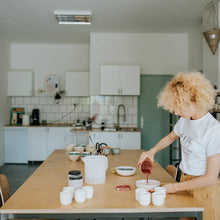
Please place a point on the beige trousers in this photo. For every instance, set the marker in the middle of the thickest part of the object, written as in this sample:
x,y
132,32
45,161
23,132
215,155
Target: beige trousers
x,y
208,197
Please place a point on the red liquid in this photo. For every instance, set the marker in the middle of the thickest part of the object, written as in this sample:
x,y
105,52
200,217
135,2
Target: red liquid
x,y
147,167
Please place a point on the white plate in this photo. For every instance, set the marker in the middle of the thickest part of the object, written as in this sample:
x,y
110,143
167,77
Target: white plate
x,y
125,170
150,185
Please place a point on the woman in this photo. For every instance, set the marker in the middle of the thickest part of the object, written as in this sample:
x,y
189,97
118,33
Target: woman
x,y
191,96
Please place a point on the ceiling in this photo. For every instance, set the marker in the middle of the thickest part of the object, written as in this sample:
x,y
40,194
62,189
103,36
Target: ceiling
x,y
32,21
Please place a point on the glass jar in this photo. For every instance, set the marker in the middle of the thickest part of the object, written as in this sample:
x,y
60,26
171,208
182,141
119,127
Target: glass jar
x,y
75,179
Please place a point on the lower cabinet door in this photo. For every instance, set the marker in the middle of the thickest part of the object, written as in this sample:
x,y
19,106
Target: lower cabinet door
x,y
55,139
16,145
130,140
38,144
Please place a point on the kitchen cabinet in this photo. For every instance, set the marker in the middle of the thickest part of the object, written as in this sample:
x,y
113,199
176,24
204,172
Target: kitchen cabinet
x,y
20,83
43,141
120,80
75,137
37,150
55,139
15,145
77,83
124,140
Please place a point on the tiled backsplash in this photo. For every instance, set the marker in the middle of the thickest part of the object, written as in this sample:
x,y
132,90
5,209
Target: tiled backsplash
x,y
103,107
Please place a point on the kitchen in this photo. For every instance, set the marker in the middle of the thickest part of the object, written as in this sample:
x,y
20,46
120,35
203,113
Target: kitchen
x,y
158,52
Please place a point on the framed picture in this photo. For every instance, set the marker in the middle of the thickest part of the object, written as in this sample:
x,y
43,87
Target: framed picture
x,y
16,115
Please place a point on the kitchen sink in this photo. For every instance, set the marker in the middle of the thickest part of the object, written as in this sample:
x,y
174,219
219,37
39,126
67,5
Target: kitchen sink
x,y
121,129
127,129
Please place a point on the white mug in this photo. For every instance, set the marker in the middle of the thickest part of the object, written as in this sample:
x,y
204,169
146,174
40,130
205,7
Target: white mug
x,y
138,191
69,189
80,195
144,198
158,198
160,189
65,198
89,191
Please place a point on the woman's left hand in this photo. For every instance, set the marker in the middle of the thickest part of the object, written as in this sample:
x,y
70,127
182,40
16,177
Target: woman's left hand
x,y
170,188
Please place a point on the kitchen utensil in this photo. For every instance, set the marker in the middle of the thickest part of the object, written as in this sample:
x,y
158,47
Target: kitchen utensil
x,y
158,198
69,189
35,117
138,191
147,167
144,198
160,189
89,191
90,148
80,195
79,148
74,155
116,150
123,188
125,170
90,138
75,179
150,185
65,198
70,147
95,169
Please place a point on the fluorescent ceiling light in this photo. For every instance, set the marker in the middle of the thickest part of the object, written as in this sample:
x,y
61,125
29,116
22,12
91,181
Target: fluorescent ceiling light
x,y
73,17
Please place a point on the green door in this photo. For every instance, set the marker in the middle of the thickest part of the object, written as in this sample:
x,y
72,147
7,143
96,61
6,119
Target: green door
x,y
153,121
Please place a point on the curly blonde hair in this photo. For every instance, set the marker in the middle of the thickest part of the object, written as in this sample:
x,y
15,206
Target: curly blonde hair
x,y
185,89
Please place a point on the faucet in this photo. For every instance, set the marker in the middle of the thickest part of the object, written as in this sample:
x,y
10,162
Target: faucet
x,y
118,115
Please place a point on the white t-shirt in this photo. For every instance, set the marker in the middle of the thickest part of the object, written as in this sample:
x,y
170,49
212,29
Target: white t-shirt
x,y
199,139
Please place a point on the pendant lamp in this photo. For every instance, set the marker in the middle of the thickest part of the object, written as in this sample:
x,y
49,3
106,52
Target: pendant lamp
x,y
212,31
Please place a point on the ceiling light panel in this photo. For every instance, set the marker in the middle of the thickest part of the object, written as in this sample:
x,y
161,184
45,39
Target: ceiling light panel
x,y
73,17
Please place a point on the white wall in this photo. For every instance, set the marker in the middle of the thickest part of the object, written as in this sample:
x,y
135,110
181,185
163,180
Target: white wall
x,y
49,59
195,48
155,53
4,100
211,62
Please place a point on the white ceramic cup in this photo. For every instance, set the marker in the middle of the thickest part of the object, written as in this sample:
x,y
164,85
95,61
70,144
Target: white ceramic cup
x,y
65,198
144,198
69,189
160,189
89,191
80,195
138,191
158,198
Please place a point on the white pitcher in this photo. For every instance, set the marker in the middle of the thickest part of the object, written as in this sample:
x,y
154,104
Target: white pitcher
x,y
95,169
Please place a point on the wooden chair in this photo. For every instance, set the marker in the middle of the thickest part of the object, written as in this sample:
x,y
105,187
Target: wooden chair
x,y
172,170
4,189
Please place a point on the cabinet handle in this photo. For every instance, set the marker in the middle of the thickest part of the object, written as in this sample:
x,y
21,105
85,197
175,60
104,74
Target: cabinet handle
x,y
121,91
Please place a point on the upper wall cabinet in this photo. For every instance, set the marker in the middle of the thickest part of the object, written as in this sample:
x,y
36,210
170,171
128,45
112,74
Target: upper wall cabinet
x,y
20,83
77,83
120,80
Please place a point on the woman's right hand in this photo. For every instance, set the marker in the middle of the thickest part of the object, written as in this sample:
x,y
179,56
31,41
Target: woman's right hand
x,y
150,154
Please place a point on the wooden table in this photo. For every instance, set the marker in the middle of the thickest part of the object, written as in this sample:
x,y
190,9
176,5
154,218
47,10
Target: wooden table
x,y
38,197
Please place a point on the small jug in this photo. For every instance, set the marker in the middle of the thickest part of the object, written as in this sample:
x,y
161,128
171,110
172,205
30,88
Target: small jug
x,y
95,169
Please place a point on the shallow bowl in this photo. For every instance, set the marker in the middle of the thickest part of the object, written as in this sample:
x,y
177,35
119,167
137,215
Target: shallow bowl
x,y
74,156
79,148
150,185
125,170
70,147
90,148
